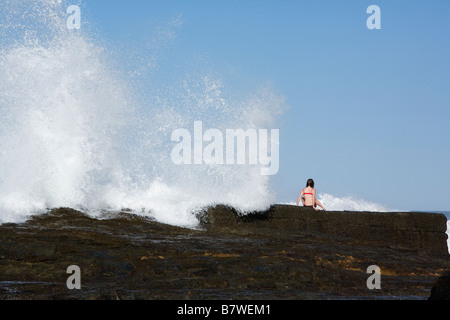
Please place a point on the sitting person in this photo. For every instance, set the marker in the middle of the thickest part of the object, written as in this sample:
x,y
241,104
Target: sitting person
x,y
308,196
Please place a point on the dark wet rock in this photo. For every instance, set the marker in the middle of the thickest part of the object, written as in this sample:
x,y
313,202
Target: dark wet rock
x,y
441,290
284,253
422,232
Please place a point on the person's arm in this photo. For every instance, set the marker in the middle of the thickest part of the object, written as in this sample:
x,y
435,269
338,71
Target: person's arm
x,y
299,197
314,199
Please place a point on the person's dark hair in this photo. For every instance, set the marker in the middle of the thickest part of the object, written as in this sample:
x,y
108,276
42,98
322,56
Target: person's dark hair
x,y
310,183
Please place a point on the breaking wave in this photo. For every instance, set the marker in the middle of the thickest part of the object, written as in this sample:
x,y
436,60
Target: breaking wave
x,y
76,131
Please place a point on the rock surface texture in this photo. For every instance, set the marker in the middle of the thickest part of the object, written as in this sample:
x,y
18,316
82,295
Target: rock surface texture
x,y
286,252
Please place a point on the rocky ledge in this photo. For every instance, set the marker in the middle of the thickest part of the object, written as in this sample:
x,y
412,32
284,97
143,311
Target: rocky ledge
x,y
286,252
421,232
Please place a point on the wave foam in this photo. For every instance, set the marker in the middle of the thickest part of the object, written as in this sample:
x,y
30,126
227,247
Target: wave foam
x,y
76,132
349,203
448,235
333,203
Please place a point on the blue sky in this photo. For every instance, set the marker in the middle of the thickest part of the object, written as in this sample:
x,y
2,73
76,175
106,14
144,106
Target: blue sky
x,y
369,109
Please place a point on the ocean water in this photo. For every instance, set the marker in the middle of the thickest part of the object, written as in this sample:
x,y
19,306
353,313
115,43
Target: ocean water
x,y
77,129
